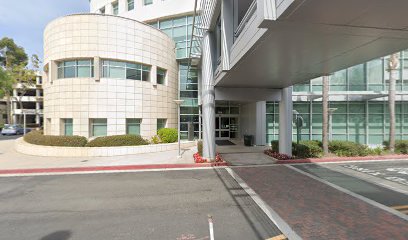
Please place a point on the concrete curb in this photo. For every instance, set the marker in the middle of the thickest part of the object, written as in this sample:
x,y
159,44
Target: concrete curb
x,y
24,147
344,159
109,168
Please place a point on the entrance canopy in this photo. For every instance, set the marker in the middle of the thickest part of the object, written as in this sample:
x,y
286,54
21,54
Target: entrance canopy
x,y
299,40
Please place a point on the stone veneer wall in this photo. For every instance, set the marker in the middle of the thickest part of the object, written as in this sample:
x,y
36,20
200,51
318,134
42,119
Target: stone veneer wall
x,y
115,38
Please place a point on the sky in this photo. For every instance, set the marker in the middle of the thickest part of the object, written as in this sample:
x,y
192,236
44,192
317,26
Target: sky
x,y
25,20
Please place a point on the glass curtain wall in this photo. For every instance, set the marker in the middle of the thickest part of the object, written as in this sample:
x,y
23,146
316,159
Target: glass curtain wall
x,y
179,29
365,122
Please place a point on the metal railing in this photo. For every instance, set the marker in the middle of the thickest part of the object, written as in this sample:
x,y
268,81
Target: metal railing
x,y
248,15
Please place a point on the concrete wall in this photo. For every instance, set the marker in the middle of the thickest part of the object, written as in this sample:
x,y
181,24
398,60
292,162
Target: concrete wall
x,y
253,121
108,37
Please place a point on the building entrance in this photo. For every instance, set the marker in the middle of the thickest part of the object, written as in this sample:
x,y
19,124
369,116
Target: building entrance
x,y
226,121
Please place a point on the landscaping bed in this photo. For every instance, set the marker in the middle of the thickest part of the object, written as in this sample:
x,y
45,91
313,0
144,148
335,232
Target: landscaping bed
x,y
219,161
312,151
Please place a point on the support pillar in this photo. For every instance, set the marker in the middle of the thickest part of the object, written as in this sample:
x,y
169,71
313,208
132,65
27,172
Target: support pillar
x,y
208,97
285,121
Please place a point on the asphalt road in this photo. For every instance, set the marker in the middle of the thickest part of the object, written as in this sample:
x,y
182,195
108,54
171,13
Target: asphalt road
x,y
395,171
150,205
2,138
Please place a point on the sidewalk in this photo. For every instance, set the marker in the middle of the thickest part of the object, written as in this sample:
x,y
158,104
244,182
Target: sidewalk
x,y
10,159
317,211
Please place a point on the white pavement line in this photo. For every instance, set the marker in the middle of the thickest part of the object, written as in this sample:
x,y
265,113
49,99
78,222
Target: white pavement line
x,y
211,227
354,161
104,172
273,216
368,178
367,200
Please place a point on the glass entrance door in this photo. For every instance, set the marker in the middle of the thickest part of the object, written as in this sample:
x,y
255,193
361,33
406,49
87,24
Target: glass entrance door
x,y
222,128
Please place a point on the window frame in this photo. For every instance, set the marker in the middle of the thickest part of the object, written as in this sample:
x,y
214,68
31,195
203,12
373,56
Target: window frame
x,y
163,75
65,124
93,124
147,2
63,65
115,8
138,122
142,71
132,4
159,124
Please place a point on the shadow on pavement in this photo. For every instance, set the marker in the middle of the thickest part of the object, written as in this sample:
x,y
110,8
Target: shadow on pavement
x,y
58,235
262,226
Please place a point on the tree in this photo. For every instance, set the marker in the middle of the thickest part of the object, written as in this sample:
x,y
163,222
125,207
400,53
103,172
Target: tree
x,y
6,87
16,71
325,103
393,66
15,54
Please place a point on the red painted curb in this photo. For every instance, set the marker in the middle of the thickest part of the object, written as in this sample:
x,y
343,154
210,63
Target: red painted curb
x,y
342,159
110,168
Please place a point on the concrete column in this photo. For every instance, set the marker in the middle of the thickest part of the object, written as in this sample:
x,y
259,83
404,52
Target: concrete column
x,y
227,32
260,136
285,122
153,75
14,105
97,68
208,97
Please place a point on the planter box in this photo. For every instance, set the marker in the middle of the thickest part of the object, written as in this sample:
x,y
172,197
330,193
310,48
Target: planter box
x,y
22,146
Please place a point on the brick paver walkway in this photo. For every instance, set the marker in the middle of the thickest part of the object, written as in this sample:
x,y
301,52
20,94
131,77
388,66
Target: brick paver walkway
x,y
315,210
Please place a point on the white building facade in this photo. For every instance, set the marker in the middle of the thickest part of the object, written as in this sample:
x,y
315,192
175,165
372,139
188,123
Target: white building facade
x,y
108,72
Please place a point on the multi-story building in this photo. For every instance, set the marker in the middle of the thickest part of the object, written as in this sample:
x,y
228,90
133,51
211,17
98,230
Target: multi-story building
x,y
26,100
118,69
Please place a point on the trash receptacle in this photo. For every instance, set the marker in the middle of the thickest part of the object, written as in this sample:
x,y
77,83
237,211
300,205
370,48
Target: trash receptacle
x,y
248,140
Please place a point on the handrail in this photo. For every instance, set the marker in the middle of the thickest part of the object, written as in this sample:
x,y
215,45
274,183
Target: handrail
x,y
251,11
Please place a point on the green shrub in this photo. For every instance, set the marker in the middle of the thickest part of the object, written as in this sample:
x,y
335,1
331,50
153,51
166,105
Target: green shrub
x,y
348,149
117,140
375,151
38,138
200,147
401,146
308,149
168,135
155,140
275,146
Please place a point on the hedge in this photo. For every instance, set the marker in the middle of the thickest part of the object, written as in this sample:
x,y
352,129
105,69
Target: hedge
x,y
38,138
117,140
401,146
305,149
348,149
308,149
168,135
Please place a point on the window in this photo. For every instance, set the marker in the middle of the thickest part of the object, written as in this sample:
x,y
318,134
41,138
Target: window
x,y
115,8
131,5
68,126
147,2
161,76
161,123
98,127
133,126
125,70
75,69
102,10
